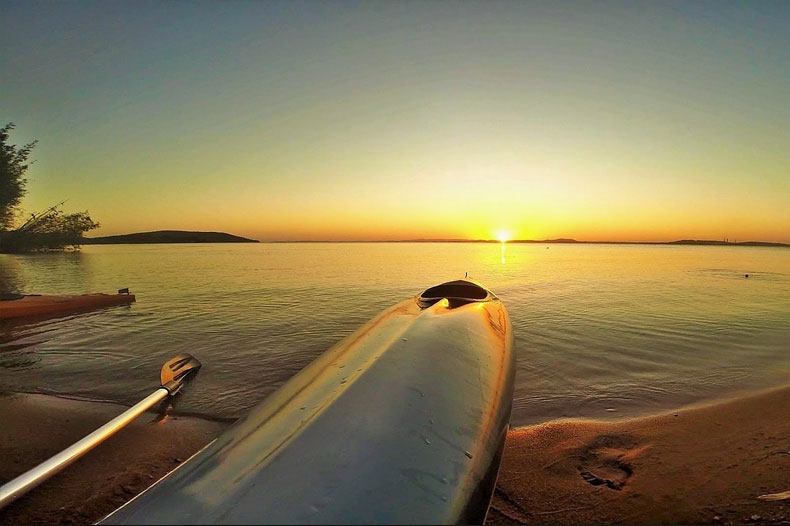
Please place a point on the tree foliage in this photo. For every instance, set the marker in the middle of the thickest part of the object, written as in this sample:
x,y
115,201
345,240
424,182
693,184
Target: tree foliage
x,y
52,230
49,230
13,165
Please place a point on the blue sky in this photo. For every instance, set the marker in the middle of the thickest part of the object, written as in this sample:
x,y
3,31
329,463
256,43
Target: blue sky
x,y
339,120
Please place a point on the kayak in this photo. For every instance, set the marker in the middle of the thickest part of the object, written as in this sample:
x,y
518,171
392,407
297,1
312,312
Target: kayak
x,y
404,421
36,305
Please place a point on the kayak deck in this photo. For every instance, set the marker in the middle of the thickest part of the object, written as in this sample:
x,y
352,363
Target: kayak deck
x,y
402,422
38,305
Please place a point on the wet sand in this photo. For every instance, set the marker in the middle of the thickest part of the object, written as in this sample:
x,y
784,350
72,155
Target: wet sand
x,y
34,427
705,465
696,466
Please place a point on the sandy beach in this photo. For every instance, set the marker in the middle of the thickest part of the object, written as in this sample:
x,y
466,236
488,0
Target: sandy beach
x,y
703,465
34,427
695,466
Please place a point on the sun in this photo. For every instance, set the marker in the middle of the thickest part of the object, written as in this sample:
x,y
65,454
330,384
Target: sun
x,y
503,236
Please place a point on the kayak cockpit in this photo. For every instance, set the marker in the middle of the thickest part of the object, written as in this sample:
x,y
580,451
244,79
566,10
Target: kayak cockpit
x,y
458,292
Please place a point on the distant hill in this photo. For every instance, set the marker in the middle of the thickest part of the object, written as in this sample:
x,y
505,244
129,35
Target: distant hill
x,y
727,243
167,236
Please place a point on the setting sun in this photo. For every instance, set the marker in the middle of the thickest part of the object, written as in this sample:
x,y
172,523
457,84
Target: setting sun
x,y
503,236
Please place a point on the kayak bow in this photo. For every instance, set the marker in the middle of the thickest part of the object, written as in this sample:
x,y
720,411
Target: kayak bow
x,y
41,305
404,421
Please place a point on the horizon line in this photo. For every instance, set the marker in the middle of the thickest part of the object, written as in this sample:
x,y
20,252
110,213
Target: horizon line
x,y
559,240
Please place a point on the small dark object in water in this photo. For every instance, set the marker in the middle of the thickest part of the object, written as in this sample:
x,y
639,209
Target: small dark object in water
x,y
10,297
746,275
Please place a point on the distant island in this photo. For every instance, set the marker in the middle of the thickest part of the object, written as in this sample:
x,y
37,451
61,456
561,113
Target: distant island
x,y
167,236
728,243
678,242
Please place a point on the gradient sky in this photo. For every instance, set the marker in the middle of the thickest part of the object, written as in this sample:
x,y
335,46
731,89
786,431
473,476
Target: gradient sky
x,y
394,120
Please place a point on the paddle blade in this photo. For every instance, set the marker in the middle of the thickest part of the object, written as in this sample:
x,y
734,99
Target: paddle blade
x,y
177,370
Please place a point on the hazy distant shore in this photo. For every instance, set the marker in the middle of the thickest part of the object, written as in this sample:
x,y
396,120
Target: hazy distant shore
x,y
552,242
694,466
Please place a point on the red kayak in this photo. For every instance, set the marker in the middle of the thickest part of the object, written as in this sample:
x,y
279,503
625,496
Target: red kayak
x,y
36,305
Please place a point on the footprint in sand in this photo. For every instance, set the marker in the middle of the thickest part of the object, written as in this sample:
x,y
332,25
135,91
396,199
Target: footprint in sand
x,y
605,461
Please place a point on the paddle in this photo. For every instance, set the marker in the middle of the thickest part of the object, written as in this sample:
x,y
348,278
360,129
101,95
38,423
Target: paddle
x,y
173,375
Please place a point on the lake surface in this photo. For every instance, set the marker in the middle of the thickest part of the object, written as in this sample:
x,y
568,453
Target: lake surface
x,y
602,331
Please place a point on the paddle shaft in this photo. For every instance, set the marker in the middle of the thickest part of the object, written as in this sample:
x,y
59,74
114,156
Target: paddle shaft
x,y
17,487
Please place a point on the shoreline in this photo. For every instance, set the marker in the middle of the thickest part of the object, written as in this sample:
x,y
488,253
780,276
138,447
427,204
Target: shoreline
x,y
703,464
223,421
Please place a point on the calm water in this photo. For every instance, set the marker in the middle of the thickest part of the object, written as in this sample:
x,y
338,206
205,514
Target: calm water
x,y
602,331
